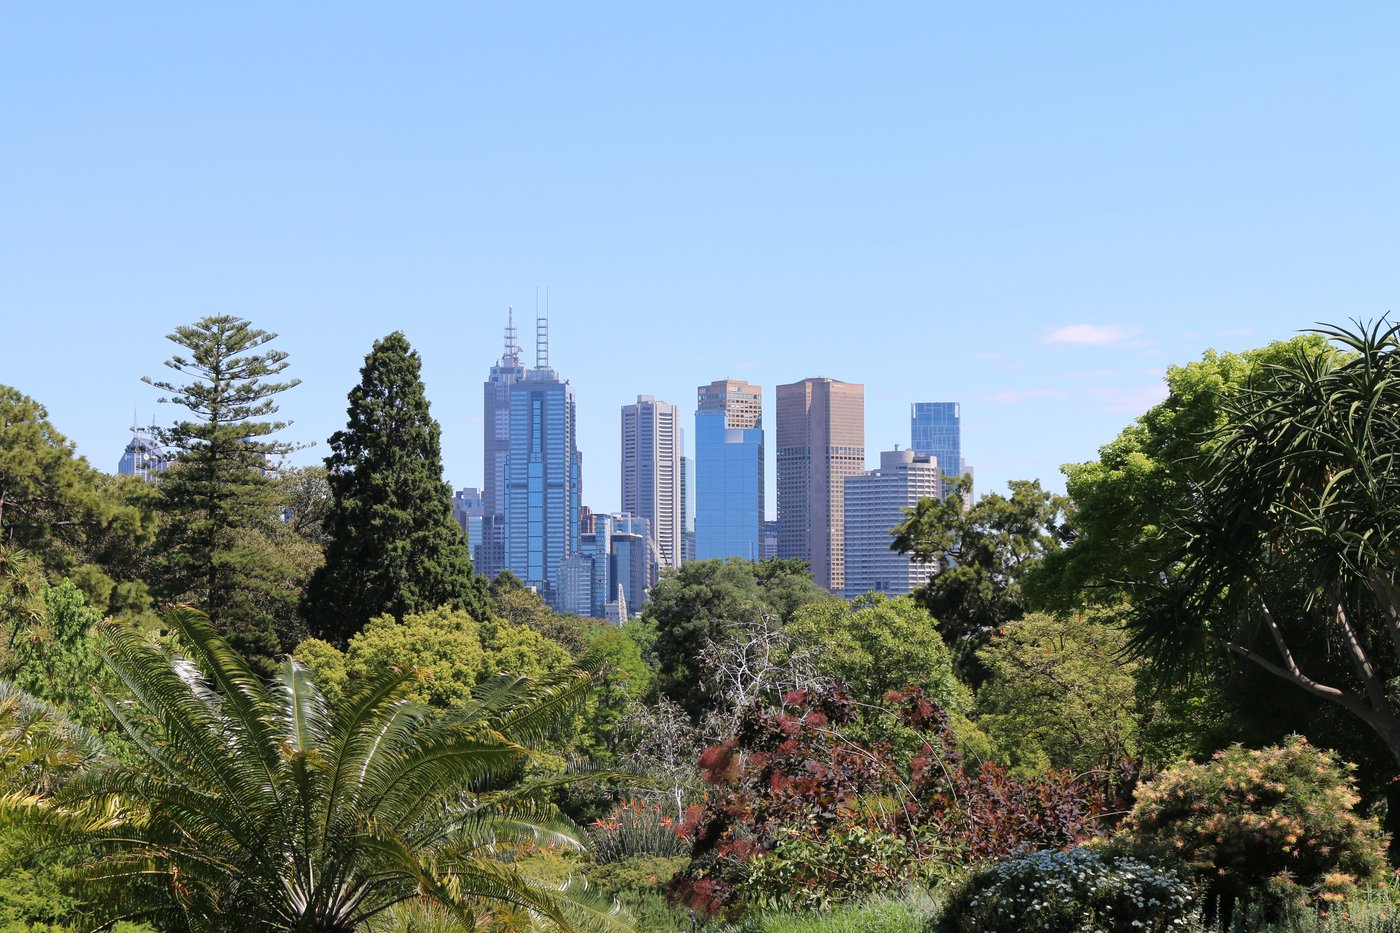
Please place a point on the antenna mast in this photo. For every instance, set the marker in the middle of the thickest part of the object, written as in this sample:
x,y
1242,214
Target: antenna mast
x,y
512,355
541,333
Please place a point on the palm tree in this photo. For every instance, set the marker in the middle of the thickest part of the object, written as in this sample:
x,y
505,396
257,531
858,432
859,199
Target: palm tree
x,y
253,806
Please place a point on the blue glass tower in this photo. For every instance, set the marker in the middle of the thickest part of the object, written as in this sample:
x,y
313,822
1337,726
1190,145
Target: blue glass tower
x,y
544,476
936,430
728,471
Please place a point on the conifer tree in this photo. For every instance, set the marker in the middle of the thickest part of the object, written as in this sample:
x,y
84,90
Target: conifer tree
x,y
392,544
220,493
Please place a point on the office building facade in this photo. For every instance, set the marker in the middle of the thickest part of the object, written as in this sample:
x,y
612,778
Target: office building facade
x,y
489,547
653,484
935,430
875,503
544,474
821,441
729,495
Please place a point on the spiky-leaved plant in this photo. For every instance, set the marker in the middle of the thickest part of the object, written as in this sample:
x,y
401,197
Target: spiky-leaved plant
x,y
254,806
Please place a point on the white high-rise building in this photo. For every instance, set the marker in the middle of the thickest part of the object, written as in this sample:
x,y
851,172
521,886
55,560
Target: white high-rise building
x,y
875,503
652,487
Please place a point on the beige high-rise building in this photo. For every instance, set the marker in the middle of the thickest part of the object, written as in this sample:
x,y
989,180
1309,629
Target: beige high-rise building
x,y
821,441
651,472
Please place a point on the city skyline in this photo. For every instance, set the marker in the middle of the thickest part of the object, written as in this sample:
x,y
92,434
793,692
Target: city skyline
x,y
888,199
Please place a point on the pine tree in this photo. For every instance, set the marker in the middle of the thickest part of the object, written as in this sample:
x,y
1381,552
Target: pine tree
x,y
392,544
220,493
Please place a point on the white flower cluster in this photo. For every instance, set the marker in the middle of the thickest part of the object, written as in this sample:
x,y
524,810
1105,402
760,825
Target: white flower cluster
x,y
1079,891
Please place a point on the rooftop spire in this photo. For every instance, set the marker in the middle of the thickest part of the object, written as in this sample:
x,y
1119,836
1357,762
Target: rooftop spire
x,y
512,354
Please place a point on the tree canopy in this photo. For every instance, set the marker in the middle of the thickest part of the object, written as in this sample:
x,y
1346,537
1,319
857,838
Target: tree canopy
x,y
392,543
705,601
984,552
220,492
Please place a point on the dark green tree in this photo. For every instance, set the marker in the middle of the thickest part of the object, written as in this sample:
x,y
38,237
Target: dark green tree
x,y
392,544
75,520
220,493
985,552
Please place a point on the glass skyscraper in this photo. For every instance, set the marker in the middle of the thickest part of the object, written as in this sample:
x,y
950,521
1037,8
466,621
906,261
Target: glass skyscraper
x,y
728,470
544,476
936,431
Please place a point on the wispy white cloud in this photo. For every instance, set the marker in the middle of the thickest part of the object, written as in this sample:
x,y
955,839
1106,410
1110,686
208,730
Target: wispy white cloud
x,y
1089,334
1015,396
1129,401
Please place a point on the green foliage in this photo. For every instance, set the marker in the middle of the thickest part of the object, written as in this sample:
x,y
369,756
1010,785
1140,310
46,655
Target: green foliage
x,y
1276,826
57,507
1079,891
218,495
985,551
328,667
875,644
393,546
638,885
707,600
522,652
257,806
443,645
909,912
804,870
55,658
623,679
1127,501
1060,693
636,828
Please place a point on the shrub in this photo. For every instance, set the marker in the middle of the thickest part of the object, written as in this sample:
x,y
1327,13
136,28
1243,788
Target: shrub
x,y
635,828
790,791
1079,891
1275,826
808,871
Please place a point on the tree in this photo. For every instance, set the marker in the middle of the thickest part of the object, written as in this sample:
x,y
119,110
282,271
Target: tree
x,y
393,545
1060,693
875,644
56,507
704,601
1127,501
220,488
1292,534
984,552
256,806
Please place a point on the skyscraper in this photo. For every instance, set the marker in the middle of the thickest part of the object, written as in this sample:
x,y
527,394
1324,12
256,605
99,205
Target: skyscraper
x,y
875,503
490,549
143,457
544,473
935,430
469,509
652,482
728,470
821,441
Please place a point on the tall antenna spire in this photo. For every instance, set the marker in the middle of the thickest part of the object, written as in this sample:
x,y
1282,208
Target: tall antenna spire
x,y
541,334
512,354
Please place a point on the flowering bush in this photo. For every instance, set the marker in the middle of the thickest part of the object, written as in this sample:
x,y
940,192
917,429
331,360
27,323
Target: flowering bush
x,y
799,814
635,828
1079,891
1275,826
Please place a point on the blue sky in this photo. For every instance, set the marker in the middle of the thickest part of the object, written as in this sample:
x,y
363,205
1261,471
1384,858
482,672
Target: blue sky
x,y
1029,208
